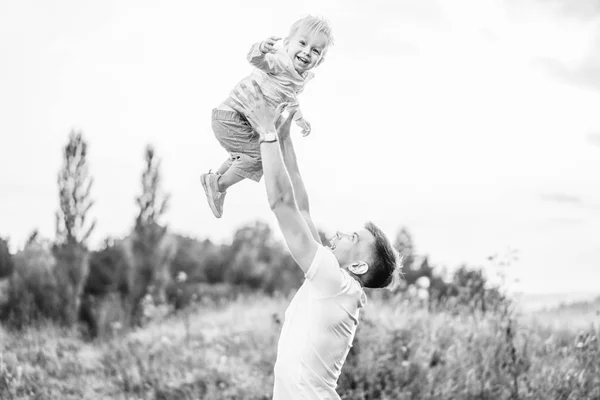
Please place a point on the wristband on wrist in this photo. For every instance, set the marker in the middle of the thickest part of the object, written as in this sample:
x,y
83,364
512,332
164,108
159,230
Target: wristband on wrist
x,y
267,137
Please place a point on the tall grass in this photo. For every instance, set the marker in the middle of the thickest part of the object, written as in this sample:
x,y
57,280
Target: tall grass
x,y
402,351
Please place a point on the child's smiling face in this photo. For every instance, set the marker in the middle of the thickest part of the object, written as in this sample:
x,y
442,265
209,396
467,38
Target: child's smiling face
x,y
305,49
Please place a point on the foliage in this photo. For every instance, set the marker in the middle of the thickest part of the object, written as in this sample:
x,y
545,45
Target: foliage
x,y
72,228
152,202
124,272
6,261
149,248
74,187
253,260
467,286
34,290
257,261
201,261
401,351
72,269
218,336
107,271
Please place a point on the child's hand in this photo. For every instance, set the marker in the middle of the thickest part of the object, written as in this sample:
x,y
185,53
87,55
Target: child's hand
x,y
305,125
267,45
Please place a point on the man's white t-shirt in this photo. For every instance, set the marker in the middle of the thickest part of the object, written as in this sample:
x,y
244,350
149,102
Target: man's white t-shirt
x,y
318,331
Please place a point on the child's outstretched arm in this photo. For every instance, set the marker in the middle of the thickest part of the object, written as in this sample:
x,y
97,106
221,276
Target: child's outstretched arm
x,y
299,117
262,56
301,122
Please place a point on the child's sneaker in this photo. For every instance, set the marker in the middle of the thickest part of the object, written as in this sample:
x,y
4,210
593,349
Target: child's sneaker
x,y
214,197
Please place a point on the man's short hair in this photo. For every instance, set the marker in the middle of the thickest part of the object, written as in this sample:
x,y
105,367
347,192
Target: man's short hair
x,y
385,264
314,25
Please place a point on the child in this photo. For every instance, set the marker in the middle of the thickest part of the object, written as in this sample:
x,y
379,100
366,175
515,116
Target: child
x,y
281,74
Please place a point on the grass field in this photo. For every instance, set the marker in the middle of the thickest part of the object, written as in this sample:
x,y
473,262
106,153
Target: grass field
x,y
227,351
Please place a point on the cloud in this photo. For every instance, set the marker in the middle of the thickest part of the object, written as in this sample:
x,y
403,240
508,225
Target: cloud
x,y
397,29
594,138
571,201
567,42
559,222
562,198
580,9
584,10
585,73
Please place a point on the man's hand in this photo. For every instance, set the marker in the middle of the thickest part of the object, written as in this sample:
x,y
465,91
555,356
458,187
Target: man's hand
x,y
305,125
267,46
261,116
283,126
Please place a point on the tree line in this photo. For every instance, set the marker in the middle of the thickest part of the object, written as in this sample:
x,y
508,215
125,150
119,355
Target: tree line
x,y
61,279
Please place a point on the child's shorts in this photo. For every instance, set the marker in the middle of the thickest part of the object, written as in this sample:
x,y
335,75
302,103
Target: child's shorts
x,y
236,136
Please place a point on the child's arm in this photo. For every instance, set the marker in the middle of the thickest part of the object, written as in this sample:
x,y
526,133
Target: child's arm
x,y
262,56
301,122
297,114
298,117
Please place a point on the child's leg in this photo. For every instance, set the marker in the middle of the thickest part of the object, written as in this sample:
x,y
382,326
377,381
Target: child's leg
x,y
228,179
235,135
224,167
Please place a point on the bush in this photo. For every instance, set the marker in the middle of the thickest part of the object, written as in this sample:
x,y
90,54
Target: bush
x,y
401,351
6,261
253,261
107,271
33,289
44,284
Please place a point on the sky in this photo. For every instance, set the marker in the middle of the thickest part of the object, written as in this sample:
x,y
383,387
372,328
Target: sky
x,y
472,123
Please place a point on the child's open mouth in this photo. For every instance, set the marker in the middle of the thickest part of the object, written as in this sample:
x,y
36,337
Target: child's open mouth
x,y
302,59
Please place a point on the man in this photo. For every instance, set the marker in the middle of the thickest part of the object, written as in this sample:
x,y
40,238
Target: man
x,y
321,320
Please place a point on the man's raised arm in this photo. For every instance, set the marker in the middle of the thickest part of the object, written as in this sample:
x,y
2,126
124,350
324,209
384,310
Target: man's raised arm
x,y
291,164
280,192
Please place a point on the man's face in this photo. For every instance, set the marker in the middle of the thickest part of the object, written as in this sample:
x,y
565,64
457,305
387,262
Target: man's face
x,y
305,49
349,247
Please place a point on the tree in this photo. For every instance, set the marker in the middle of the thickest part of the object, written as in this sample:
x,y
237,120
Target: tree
x,y
35,289
126,270
149,249
72,227
255,260
152,202
404,245
74,186
53,277
6,261
413,267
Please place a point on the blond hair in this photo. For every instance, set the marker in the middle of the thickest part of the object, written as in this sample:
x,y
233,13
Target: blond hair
x,y
313,25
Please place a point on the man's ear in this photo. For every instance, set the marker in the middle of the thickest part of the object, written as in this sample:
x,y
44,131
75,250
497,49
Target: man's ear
x,y
358,268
